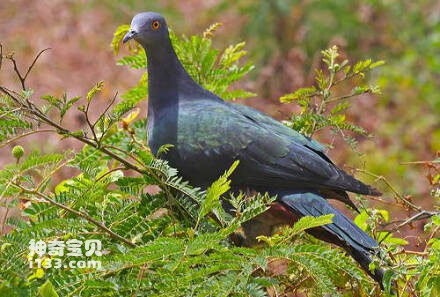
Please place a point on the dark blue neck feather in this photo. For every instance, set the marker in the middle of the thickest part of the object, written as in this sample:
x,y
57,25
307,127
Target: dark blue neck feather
x,y
168,81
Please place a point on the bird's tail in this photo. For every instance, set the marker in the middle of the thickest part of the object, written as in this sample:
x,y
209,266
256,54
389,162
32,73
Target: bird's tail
x,y
341,232
351,184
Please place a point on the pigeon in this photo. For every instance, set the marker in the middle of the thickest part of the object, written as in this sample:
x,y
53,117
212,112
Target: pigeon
x,y
207,134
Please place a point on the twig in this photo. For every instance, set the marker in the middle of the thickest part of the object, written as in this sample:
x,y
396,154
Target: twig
x,y
412,253
396,193
431,236
92,128
80,214
421,162
49,176
1,55
136,141
139,278
9,92
424,214
338,98
34,61
5,217
109,172
104,132
381,200
24,135
106,110
17,71
122,151
9,112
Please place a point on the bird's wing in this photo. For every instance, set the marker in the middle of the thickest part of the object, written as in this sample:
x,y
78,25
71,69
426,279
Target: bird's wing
x,y
212,134
308,154
280,129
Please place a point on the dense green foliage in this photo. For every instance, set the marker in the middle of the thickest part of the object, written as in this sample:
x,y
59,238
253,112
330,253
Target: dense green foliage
x,y
175,242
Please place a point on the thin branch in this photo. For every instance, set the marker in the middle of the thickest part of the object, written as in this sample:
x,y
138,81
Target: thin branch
x,y
106,110
431,236
382,201
122,151
11,94
418,216
412,253
50,175
81,214
424,214
36,200
35,61
139,143
109,172
343,97
1,55
17,71
24,135
421,162
345,78
9,112
396,193
5,217
139,278
86,114
89,123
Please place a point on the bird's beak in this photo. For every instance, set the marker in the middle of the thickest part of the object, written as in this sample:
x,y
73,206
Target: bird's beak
x,y
130,34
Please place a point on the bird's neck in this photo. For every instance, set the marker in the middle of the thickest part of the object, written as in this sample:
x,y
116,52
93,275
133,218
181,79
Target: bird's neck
x,y
168,81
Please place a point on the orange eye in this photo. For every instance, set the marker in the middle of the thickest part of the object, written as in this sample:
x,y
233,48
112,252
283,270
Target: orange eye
x,y
155,25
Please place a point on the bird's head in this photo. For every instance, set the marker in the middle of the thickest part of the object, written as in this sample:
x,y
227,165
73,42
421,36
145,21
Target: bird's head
x,y
147,28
